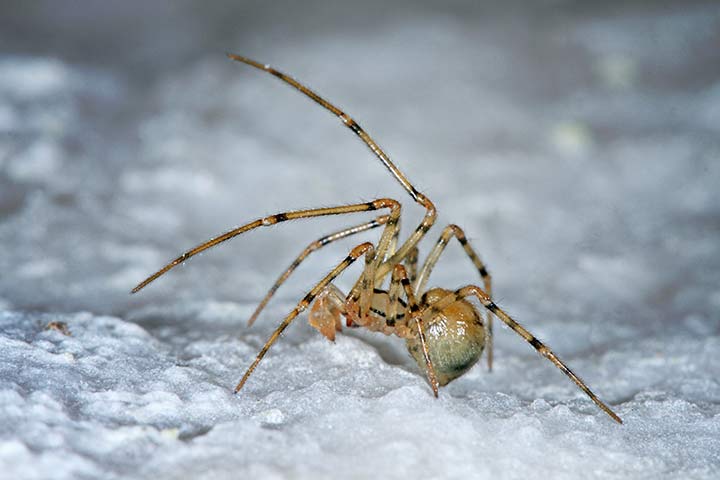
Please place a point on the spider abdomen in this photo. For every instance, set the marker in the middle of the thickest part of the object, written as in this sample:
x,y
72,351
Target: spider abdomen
x,y
455,338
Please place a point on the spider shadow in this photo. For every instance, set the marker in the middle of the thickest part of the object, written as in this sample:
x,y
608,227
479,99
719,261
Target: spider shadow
x,y
391,349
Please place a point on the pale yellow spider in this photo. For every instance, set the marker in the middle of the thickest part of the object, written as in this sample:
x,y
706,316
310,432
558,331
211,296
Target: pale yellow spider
x,y
443,331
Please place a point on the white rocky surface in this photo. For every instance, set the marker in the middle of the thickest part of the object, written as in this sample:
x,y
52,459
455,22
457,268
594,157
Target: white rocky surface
x,y
578,148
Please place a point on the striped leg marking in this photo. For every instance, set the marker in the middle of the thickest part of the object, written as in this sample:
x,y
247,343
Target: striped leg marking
x,y
394,307
393,205
411,263
345,118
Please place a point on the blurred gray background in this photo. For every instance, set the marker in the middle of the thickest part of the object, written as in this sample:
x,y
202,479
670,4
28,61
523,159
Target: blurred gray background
x,y
502,113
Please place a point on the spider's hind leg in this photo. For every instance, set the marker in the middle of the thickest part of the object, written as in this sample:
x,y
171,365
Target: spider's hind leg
x,y
542,349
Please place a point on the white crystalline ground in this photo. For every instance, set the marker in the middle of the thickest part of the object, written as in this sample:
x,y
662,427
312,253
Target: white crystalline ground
x,y
578,149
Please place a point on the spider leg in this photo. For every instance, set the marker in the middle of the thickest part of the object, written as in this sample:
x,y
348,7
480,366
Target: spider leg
x,y
411,263
413,314
394,306
410,243
542,349
432,258
384,266
317,244
347,121
361,295
357,252
392,246
367,287
393,205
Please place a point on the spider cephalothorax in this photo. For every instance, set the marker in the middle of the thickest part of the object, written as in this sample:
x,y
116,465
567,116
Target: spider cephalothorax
x,y
444,332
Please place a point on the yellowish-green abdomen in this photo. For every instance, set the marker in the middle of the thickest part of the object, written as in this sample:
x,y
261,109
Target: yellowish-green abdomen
x,y
455,338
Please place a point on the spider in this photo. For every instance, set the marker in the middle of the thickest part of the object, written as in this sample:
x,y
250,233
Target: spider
x,y
443,331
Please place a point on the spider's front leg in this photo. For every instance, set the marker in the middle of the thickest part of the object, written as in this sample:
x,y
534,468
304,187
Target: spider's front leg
x,y
271,220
